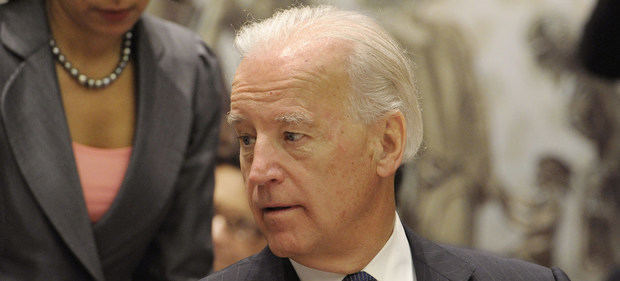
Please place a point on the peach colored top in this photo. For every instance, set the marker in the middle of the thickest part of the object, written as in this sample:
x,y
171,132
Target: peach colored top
x,y
101,171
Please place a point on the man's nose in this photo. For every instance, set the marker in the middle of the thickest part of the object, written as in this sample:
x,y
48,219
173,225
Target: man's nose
x,y
266,168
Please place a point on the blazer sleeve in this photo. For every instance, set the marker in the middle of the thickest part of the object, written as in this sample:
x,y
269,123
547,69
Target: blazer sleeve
x,y
182,247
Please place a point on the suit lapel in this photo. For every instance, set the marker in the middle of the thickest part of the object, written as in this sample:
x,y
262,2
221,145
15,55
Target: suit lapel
x,y
432,262
270,267
38,133
162,133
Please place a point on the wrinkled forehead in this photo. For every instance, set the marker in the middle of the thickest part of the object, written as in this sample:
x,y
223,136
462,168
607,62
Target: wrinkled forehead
x,y
312,59
307,71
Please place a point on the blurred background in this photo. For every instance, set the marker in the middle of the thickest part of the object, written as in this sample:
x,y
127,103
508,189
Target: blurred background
x,y
522,143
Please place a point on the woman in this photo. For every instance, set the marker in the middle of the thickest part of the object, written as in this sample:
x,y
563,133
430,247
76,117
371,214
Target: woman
x,y
108,131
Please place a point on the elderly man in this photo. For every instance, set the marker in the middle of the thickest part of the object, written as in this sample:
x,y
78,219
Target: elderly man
x,y
324,106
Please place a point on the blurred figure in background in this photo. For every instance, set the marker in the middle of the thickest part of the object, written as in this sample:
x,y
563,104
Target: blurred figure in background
x,y
235,234
596,105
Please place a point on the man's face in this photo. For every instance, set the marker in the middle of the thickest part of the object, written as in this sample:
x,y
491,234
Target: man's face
x,y
307,162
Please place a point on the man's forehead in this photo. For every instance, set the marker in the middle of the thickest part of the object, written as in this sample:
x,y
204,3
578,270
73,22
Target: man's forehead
x,y
304,53
270,74
318,48
304,74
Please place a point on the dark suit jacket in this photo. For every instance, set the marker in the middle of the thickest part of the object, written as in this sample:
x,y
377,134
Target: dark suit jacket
x,y
158,227
432,262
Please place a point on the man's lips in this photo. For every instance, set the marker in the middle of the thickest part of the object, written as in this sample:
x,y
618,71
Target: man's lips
x,y
278,208
272,209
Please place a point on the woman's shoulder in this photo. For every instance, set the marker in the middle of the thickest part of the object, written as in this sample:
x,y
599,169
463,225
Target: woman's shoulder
x,y
173,38
166,28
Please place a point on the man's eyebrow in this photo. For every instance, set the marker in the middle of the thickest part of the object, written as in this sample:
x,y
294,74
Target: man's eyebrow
x,y
234,118
296,118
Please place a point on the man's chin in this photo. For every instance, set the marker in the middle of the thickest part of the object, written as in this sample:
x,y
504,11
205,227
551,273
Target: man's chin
x,y
285,247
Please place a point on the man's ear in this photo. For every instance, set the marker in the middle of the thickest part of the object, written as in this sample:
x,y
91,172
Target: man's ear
x,y
393,139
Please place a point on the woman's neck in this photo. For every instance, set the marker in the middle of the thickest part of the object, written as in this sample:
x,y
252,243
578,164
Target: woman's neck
x,y
88,51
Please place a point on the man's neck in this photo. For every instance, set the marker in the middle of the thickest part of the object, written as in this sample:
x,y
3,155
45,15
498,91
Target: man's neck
x,y
356,252
393,262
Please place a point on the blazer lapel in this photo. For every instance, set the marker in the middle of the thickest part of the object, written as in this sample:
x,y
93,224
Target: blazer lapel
x,y
39,136
162,133
431,262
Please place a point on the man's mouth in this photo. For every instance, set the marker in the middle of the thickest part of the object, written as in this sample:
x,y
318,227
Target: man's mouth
x,y
275,209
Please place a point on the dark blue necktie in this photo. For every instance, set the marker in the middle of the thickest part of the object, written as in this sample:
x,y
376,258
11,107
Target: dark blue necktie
x,y
360,276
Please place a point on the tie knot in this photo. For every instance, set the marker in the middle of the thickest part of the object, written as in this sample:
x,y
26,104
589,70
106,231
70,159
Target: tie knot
x,y
360,276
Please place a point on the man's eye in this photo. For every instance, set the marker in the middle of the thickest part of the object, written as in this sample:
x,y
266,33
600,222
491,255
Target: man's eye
x,y
246,140
288,136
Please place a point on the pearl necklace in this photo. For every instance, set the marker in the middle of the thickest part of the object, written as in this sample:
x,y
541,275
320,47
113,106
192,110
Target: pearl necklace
x,y
89,82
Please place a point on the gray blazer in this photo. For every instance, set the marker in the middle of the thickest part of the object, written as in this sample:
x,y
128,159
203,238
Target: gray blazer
x,y
432,262
158,227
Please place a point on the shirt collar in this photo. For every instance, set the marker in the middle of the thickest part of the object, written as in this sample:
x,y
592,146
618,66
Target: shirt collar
x,y
393,262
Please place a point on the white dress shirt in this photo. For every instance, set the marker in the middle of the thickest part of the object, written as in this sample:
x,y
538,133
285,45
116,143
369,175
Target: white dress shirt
x,y
392,263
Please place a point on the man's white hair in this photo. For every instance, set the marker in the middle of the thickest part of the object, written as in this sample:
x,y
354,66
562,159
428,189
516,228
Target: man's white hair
x,y
380,71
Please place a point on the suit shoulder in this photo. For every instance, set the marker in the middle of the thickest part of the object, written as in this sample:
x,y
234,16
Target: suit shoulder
x,y
260,267
236,271
490,266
